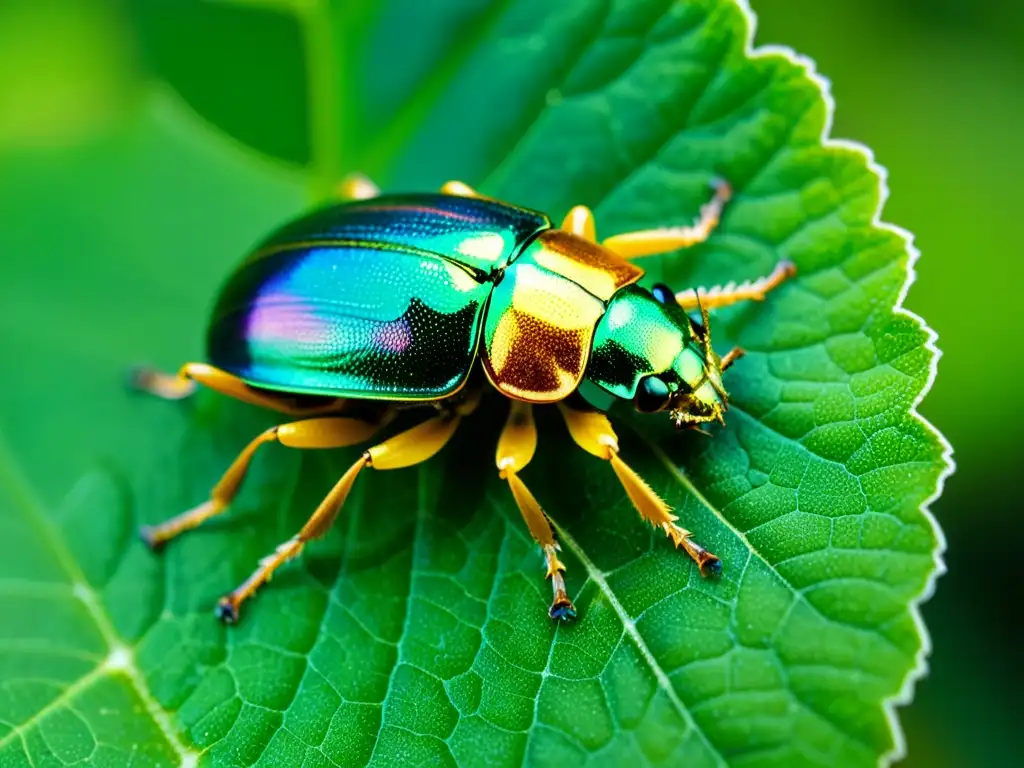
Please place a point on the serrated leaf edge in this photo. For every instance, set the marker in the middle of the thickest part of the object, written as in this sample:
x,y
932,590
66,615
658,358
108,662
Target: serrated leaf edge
x,y
906,693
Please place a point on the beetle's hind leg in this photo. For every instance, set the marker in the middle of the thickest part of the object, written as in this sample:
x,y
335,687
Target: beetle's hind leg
x,y
184,383
413,446
592,432
516,447
334,432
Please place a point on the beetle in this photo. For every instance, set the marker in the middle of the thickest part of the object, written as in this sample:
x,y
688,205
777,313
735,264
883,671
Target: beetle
x,y
379,302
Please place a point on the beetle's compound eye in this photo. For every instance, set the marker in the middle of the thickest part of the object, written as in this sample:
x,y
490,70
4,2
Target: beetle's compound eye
x,y
652,395
663,294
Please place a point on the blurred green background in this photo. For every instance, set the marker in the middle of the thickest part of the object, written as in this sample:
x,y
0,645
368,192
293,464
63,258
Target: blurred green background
x,y
933,86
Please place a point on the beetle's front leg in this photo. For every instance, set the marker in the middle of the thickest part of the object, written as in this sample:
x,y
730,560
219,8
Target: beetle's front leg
x,y
593,433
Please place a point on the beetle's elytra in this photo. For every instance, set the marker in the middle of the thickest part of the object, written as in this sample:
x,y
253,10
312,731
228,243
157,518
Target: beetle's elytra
x,y
381,302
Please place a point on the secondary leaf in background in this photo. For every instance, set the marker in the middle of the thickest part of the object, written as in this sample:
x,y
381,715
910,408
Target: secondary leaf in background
x,y
417,630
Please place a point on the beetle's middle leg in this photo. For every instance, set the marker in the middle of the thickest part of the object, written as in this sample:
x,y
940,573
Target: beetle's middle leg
x,y
332,432
650,242
413,446
593,433
516,447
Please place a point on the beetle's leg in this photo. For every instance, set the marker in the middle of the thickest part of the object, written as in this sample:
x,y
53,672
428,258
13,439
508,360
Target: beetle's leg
x,y
724,295
356,186
405,449
580,221
515,449
460,189
594,434
336,432
650,242
183,384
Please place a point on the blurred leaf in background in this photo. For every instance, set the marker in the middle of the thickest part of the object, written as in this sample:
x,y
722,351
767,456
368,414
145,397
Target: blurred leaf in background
x,y
126,218
66,71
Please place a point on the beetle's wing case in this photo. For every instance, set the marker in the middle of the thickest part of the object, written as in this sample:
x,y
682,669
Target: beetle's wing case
x,y
481,233
541,318
375,299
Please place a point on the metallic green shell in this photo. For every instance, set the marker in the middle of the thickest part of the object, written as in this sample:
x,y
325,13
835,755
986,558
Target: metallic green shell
x,y
638,336
376,299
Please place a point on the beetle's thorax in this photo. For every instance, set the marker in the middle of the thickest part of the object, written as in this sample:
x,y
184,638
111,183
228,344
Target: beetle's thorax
x,y
591,266
541,316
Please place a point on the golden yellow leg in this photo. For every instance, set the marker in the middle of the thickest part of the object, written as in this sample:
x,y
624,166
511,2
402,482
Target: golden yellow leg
x,y
405,449
593,433
650,242
336,432
459,189
580,221
724,295
356,186
184,383
516,447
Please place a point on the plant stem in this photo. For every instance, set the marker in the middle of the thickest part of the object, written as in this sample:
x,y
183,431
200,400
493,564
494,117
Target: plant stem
x,y
323,79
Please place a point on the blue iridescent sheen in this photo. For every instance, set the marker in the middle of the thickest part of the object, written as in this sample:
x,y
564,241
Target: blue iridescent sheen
x,y
372,299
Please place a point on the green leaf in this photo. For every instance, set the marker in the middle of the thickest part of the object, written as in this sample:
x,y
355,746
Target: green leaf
x,y
416,632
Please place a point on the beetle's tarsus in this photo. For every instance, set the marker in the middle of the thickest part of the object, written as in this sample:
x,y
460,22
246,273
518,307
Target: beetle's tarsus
x,y
709,563
144,378
712,567
147,533
562,608
227,610
651,242
721,188
136,376
720,296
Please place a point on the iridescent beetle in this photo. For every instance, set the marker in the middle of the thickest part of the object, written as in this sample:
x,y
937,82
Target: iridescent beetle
x,y
383,302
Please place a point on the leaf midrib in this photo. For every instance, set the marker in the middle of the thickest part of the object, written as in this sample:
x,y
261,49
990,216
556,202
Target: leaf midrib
x,y
629,626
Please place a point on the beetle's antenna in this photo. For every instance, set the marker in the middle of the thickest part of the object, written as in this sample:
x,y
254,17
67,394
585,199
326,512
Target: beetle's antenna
x,y
705,319
732,356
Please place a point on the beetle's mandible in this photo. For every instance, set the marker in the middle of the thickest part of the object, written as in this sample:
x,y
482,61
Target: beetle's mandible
x,y
383,302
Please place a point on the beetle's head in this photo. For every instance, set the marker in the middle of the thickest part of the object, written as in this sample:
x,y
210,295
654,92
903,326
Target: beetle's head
x,y
648,350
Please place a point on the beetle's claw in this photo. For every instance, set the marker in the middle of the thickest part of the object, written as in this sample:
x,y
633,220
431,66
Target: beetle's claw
x,y
142,378
148,535
712,566
227,610
562,608
721,188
